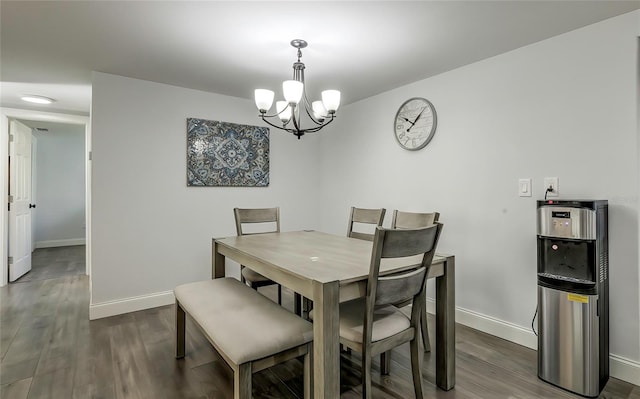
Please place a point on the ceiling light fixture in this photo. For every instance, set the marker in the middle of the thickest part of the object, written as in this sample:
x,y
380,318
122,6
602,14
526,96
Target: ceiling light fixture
x,y
320,113
30,98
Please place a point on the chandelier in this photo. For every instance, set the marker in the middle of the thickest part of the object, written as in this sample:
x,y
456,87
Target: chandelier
x,y
295,105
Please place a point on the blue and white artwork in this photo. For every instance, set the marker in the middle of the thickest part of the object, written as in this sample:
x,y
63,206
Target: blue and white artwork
x,y
224,154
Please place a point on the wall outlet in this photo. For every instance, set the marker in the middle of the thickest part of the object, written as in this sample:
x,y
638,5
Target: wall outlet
x,y
551,182
524,187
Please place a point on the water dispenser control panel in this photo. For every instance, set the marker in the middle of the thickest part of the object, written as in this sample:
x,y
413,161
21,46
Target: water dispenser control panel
x,y
567,222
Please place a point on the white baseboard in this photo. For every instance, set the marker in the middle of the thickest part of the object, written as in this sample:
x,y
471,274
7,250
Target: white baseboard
x,y
127,305
619,367
60,243
624,369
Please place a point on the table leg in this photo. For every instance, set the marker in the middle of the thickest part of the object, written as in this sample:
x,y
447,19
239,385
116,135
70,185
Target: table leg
x,y
326,340
217,265
446,327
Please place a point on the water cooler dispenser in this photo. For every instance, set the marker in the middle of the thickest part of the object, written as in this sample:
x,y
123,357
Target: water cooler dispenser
x,y
573,295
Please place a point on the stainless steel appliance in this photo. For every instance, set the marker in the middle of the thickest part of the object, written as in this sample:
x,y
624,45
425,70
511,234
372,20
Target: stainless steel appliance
x,y
573,295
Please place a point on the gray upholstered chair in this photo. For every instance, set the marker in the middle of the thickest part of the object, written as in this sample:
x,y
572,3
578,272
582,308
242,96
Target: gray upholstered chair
x,y
261,216
413,220
364,216
372,325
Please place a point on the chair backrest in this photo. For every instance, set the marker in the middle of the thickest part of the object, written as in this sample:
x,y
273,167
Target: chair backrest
x,y
413,220
403,286
260,216
364,216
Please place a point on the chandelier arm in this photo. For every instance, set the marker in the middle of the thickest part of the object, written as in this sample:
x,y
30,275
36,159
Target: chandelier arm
x,y
276,126
313,119
264,114
317,128
308,106
299,132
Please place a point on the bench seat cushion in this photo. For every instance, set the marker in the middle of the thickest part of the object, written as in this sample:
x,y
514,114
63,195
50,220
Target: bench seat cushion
x,y
242,323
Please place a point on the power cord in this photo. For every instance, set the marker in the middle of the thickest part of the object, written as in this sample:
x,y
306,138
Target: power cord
x,y
547,191
534,318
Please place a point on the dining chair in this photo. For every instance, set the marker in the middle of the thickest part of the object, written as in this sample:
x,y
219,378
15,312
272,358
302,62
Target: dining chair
x,y
412,220
372,325
357,217
360,216
260,219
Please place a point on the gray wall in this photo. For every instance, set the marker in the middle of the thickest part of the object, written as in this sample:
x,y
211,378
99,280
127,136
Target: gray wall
x,y
59,173
563,107
150,232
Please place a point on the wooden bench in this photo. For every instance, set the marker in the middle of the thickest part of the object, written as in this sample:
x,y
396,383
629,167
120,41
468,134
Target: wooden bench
x,y
248,330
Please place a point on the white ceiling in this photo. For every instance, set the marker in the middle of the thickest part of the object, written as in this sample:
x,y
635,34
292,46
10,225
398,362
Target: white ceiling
x,y
361,47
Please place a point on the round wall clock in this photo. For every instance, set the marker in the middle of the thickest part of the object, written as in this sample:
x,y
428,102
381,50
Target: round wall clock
x,y
415,124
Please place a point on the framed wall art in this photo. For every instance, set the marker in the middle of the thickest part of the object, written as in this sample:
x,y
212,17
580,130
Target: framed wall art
x,y
225,154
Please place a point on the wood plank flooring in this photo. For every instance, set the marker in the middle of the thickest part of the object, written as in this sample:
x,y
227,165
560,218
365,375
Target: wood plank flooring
x,y
48,263
50,349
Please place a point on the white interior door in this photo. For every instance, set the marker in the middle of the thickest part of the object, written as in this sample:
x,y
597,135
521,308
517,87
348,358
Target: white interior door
x,y
20,200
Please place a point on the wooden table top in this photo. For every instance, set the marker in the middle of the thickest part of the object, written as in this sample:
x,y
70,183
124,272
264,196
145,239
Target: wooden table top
x,y
316,256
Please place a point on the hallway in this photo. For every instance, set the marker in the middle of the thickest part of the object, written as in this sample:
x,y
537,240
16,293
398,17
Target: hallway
x,y
56,262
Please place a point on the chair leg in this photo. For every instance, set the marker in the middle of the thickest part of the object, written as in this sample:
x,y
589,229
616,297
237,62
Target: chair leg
x,y
385,363
425,330
279,294
242,279
366,375
242,381
306,307
180,331
415,367
297,305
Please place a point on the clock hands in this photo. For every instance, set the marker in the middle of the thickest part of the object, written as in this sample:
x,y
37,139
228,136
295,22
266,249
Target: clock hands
x,y
415,120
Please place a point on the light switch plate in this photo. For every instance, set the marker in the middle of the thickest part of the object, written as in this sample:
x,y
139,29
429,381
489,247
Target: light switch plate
x,y
551,182
524,187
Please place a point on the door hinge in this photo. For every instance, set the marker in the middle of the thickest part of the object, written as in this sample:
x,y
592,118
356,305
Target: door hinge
x,y
11,199
11,260
11,138
90,155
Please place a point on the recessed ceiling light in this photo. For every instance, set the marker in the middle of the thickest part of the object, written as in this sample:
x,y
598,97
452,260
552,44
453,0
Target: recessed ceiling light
x,y
37,99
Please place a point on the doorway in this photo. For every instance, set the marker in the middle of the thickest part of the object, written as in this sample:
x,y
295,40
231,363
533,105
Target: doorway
x,y
41,119
57,201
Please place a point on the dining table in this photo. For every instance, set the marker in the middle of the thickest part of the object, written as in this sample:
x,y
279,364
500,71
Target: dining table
x,y
329,269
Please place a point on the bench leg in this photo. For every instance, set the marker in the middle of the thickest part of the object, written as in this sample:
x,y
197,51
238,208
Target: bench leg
x,y
180,331
242,381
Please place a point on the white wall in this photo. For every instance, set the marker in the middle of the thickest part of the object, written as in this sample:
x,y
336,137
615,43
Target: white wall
x,y
150,232
563,107
59,216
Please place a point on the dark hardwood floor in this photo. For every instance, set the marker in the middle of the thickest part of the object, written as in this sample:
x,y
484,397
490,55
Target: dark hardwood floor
x,y
50,349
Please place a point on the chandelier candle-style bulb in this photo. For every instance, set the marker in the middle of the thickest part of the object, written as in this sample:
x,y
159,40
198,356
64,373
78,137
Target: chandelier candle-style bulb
x,y
264,99
331,100
292,90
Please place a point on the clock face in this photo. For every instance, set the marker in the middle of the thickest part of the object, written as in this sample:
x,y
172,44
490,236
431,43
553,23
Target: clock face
x,y
415,124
